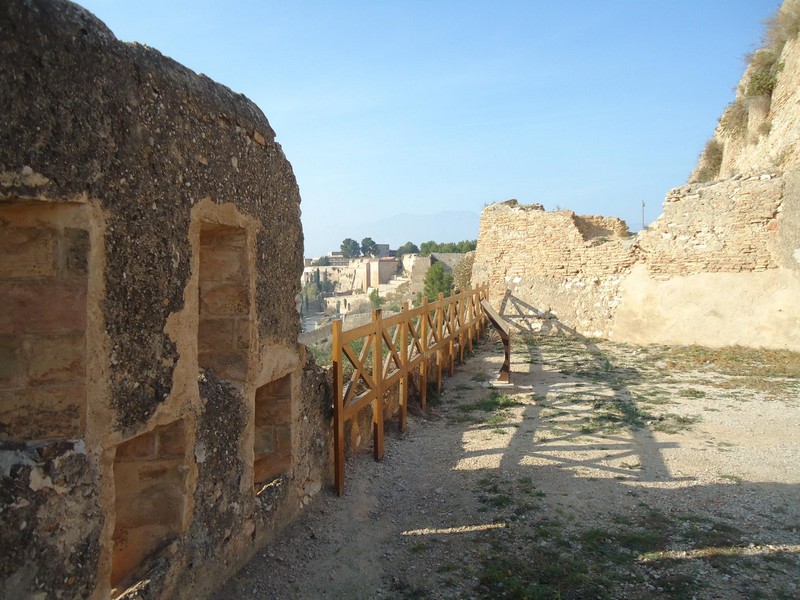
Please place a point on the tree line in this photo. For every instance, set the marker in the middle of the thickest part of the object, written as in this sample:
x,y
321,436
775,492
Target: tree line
x,y
352,249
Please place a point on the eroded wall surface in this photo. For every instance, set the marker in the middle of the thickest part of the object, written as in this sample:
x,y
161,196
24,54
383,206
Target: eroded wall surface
x,y
720,266
158,420
555,263
717,268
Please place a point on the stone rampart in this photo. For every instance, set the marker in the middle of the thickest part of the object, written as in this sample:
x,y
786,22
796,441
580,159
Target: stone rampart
x,y
158,420
554,261
720,266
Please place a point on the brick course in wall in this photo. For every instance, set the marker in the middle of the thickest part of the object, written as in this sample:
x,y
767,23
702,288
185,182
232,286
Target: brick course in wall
x,y
727,227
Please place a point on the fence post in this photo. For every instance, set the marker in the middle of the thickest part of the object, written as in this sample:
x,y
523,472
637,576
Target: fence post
x,y
338,407
377,374
423,368
470,318
403,391
453,319
439,340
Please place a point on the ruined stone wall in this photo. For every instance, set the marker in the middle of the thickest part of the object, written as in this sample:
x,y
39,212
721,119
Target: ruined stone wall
x,y
158,420
555,262
728,227
720,266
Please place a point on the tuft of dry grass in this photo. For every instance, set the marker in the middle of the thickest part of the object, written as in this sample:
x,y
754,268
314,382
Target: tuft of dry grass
x,y
734,361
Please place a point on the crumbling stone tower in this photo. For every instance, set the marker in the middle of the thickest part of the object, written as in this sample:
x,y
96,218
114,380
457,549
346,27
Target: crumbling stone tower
x,y
150,254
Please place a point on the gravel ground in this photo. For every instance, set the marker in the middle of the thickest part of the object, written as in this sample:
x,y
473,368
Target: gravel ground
x,y
603,471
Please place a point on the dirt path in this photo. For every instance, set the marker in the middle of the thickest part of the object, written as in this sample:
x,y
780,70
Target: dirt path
x,y
606,471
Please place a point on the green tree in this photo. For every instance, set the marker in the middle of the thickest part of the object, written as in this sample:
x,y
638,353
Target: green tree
x,y
407,248
369,247
350,248
425,248
323,261
436,281
375,298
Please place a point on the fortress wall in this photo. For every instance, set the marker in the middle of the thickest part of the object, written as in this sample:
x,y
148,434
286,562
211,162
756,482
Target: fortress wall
x,y
554,261
720,266
159,422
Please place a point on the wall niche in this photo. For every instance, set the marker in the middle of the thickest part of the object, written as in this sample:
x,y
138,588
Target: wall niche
x,y
272,446
223,336
150,496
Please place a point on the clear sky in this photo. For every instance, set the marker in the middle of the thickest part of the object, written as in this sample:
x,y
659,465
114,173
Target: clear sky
x,y
424,106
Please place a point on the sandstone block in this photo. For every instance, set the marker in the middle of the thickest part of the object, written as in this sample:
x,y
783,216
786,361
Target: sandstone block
x,y
11,366
27,252
42,413
224,300
231,366
141,447
75,252
55,359
269,467
41,307
216,334
283,438
263,441
223,264
171,440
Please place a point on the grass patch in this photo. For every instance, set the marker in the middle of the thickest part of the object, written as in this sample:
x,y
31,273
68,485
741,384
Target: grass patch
x,y
672,423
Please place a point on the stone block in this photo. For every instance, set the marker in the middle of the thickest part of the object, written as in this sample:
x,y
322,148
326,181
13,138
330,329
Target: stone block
x,y
269,467
141,447
224,300
223,264
242,333
263,441
213,236
283,438
75,252
42,307
273,411
160,470
42,413
278,388
171,440
216,334
11,366
55,359
27,252
231,366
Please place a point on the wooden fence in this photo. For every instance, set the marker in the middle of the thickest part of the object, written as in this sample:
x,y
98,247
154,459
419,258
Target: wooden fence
x,y
385,352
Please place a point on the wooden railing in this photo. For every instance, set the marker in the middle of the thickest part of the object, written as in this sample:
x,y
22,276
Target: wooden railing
x,y
370,359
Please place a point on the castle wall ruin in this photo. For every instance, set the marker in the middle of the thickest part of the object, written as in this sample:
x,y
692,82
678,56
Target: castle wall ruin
x,y
158,420
720,266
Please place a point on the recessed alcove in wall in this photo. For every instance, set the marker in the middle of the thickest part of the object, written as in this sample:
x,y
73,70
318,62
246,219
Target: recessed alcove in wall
x,y
44,256
223,336
272,440
150,496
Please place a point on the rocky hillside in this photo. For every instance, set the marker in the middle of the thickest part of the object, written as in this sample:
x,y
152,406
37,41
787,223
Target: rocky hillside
x,y
759,131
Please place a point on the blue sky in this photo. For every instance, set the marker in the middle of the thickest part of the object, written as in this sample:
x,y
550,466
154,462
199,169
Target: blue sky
x,y
419,107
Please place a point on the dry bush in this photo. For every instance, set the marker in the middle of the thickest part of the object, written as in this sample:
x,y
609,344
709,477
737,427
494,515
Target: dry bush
x,y
783,26
710,161
733,121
